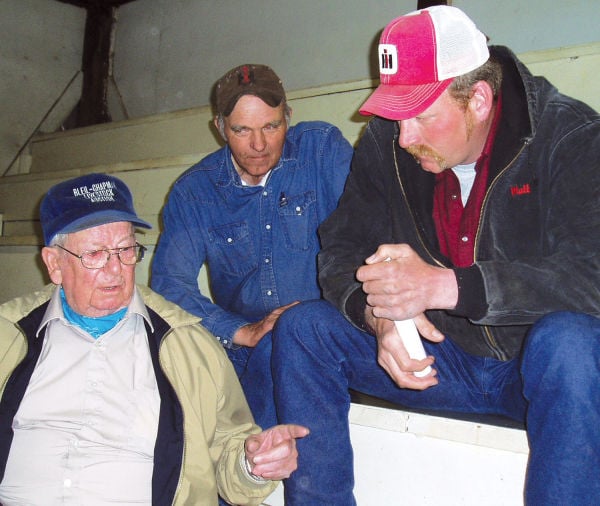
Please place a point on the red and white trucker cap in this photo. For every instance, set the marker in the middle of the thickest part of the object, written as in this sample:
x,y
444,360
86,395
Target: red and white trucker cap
x,y
419,55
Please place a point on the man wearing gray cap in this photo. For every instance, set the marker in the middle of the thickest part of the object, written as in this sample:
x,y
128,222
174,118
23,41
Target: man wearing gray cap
x,y
109,393
472,208
250,211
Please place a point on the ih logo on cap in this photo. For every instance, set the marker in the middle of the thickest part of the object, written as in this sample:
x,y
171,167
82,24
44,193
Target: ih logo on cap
x,y
388,59
245,75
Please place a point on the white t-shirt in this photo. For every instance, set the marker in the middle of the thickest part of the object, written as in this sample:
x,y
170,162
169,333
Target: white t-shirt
x,y
466,177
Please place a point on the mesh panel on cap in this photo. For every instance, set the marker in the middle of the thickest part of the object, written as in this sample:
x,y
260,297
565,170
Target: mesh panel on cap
x,y
461,46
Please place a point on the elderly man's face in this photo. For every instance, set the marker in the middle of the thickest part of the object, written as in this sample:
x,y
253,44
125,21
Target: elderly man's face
x,y
94,292
255,132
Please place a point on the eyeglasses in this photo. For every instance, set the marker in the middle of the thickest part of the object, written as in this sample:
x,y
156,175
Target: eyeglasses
x,y
97,259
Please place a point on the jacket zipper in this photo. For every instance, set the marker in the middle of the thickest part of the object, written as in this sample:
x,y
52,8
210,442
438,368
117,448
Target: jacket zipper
x,y
160,361
9,375
437,262
488,335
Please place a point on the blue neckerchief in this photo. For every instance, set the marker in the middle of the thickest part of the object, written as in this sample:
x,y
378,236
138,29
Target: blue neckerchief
x,y
94,326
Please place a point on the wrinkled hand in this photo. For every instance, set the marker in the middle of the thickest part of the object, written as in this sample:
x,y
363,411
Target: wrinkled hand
x,y
400,285
251,334
393,357
272,454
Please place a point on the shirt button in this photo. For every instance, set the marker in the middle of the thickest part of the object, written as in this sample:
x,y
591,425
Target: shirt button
x,y
265,193
267,260
269,292
67,483
268,227
464,238
229,240
454,196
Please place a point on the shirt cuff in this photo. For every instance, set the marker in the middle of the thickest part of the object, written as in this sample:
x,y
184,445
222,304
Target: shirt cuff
x,y
248,470
225,331
472,300
355,310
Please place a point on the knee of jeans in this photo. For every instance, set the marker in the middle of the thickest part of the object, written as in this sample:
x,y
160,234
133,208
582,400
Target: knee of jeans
x,y
301,314
298,321
563,345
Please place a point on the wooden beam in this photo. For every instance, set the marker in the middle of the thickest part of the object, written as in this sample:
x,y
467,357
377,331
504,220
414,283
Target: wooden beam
x,y
423,4
97,54
85,4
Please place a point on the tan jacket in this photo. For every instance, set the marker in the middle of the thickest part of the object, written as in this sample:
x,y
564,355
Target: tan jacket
x,y
204,417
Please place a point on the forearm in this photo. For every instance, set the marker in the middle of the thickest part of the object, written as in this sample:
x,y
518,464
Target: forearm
x,y
175,276
522,292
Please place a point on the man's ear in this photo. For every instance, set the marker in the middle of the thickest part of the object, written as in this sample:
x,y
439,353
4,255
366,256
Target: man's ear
x,y
220,126
50,256
482,100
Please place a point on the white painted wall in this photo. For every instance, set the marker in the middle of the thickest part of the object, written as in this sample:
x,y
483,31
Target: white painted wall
x,y
168,53
186,45
532,25
40,60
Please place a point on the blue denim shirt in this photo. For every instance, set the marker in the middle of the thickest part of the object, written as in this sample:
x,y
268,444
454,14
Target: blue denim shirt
x,y
260,243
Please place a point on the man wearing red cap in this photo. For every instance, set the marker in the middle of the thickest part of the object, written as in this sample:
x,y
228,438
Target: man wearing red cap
x,y
472,209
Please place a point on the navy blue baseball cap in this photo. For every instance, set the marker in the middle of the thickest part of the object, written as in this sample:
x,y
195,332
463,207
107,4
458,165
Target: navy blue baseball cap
x,y
85,202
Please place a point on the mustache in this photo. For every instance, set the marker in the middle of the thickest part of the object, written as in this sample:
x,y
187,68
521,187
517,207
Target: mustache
x,y
420,150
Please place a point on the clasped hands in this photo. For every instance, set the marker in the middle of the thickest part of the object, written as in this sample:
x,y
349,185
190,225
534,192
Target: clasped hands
x,y
400,285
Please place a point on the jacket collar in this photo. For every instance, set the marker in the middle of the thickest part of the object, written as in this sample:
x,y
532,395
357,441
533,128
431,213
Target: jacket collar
x,y
54,310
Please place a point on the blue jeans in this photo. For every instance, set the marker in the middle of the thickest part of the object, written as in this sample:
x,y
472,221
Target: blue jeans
x,y
554,389
253,367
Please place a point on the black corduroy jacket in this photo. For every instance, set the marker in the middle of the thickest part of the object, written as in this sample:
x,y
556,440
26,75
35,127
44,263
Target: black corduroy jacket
x,y
538,241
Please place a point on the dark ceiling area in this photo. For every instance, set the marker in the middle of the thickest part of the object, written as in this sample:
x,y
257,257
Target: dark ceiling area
x,y
95,4
103,4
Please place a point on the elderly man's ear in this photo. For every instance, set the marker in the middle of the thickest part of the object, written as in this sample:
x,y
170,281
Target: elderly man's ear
x,y
50,256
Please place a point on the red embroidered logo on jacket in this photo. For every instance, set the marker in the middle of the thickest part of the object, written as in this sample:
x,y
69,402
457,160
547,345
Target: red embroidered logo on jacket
x,y
520,190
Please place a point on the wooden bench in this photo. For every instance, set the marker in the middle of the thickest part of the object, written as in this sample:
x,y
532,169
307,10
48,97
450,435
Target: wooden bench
x,y
401,457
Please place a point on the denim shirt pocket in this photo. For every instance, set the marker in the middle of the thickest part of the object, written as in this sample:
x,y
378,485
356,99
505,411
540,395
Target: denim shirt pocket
x,y
298,217
231,248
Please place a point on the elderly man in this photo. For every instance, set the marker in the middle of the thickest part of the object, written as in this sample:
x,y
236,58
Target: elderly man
x,y
250,211
473,208
112,395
